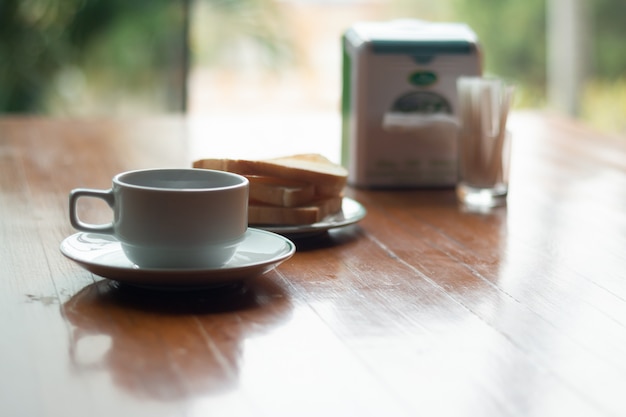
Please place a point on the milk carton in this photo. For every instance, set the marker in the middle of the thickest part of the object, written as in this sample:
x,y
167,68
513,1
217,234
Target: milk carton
x,y
399,101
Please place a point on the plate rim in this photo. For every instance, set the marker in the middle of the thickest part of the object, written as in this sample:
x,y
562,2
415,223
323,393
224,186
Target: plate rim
x,y
321,226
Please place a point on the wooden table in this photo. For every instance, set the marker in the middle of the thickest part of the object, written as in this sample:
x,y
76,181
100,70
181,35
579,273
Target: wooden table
x,y
423,308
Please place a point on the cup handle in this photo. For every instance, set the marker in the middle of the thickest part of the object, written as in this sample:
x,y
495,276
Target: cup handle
x,y
106,195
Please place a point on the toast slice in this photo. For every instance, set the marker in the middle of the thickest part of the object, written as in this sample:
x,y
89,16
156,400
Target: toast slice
x,y
259,214
280,191
328,178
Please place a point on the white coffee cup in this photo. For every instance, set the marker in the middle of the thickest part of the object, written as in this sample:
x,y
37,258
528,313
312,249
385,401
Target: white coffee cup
x,y
173,218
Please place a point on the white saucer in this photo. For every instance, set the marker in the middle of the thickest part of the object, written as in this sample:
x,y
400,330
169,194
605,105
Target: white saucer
x,y
351,212
260,252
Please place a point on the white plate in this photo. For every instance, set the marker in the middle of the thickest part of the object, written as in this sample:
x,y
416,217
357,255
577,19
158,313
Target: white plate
x,y
260,252
351,212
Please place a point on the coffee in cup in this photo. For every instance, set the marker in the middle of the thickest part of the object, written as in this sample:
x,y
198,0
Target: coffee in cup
x,y
172,218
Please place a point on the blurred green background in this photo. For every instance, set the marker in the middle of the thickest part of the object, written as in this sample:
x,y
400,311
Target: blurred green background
x,y
69,56
85,57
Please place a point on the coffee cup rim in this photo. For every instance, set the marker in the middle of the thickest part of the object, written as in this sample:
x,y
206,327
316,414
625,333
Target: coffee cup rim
x,y
241,180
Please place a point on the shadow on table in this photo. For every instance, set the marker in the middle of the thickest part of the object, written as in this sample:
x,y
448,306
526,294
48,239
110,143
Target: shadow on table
x,y
170,346
327,239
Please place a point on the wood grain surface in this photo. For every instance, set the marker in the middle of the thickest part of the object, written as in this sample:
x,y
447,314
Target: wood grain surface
x,y
423,308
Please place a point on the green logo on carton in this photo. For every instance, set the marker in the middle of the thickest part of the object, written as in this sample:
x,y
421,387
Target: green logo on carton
x,y
423,78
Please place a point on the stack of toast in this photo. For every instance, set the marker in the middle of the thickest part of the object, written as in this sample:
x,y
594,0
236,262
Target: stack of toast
x,y
290,190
